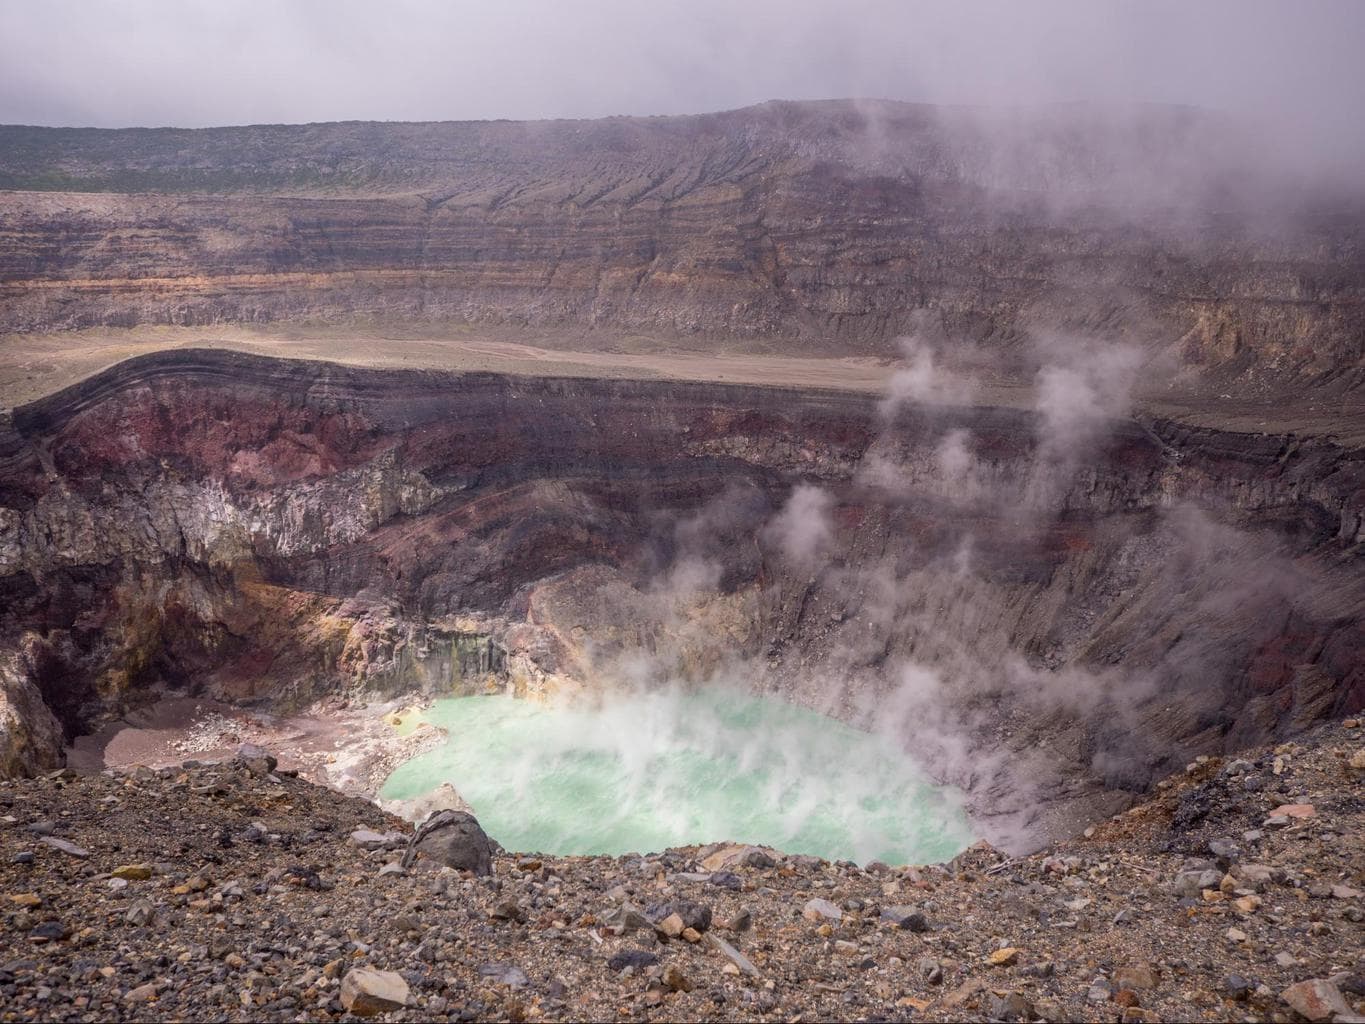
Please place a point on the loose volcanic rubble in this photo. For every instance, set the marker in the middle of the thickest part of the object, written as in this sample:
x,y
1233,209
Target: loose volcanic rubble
x,y
236,891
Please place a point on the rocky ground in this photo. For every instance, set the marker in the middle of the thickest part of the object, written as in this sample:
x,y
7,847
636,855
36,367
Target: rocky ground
x,y
349,746
231,891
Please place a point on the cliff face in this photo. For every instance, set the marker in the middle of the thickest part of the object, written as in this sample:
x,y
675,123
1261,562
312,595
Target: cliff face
x,y
823,227
269,531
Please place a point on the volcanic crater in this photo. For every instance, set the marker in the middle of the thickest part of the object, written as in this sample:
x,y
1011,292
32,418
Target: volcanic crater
x,y
1047,632
1030,441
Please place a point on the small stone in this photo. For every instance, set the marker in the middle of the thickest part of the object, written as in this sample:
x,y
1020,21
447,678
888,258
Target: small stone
x,y
366,991
1126,997
141,994
633,958
1192,883
736,958
505,974
257,759
26,899
696,916
691,935
1237,987
133,872
1357,760
821,910
368,839
508,910
675,981
23,857
1284,959
845,947
1140,977
906,918
1099,991
1009,1006
49,931
1003,957
626,919
1225,849
1247,904
1298,811
741,922
672,926
140,914
70,849
1236,936
754,857
1316,1000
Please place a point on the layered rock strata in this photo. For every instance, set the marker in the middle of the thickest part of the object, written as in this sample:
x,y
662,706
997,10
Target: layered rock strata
x,y
818,227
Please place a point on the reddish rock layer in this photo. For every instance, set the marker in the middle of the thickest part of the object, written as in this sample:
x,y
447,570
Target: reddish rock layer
x,y
268,530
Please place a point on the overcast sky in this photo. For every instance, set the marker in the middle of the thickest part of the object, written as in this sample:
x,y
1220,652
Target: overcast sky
x,y
212,62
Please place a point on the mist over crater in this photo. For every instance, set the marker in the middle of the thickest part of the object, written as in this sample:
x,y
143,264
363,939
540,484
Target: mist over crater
x,y
1043,608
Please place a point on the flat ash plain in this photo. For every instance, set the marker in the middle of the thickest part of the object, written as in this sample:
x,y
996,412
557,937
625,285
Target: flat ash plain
x,y
229,892
33,366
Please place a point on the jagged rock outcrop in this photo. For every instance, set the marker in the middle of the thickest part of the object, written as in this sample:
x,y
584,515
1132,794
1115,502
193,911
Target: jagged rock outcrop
x,y
810,226
267,530
30,735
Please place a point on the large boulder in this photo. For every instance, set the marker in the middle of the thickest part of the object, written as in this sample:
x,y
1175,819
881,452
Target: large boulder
x,y
454,839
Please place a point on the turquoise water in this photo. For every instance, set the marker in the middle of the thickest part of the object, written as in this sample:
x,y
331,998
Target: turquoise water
x,y
649,771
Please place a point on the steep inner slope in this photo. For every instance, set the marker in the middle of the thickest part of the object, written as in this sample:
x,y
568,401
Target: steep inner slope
x,y
1046,612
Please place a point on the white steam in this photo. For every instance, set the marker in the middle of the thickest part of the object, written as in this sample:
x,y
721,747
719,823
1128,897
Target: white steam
x,y
924,380
803,529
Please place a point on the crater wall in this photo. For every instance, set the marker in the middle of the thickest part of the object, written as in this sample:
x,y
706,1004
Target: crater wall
x,y
814,227
269,531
